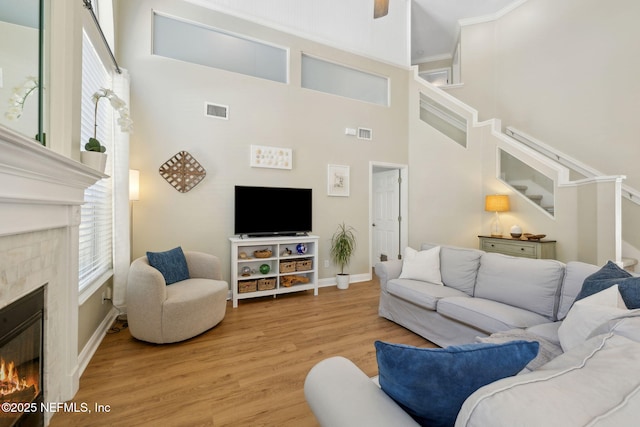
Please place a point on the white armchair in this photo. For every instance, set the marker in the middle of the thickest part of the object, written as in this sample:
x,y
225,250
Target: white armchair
x,y
163,314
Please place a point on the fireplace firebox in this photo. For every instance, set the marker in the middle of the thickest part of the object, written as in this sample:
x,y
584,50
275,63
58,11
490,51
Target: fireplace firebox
x,y
21,361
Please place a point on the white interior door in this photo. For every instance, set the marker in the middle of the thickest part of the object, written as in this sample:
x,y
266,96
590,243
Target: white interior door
x,y
386,214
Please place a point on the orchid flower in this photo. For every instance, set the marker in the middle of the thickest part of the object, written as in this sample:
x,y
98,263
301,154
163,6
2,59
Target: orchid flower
x,y
19,97
118,104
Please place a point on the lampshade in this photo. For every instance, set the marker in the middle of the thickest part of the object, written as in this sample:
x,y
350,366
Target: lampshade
x,y
134,184
380,8
496,203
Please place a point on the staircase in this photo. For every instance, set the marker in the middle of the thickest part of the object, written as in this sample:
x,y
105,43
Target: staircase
x,y
535,198
584,214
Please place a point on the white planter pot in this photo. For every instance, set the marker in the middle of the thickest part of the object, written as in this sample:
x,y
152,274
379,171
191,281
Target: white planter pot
x,y
94,160
343,281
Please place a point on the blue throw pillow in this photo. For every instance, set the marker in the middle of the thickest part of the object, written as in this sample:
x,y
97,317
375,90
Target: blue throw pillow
x,y
431,384
172,264
609,275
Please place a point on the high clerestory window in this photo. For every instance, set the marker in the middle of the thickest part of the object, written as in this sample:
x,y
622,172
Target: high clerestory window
x,y
337,79
199,44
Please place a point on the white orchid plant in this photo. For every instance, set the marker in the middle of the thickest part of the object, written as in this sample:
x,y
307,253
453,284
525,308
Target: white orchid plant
x,y
19,97
124,121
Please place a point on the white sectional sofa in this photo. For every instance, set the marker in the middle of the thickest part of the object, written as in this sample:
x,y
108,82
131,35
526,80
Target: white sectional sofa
x,y
483,293
596,384
484,297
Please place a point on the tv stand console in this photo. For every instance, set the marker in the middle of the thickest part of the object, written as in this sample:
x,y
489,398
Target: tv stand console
x,y
263,266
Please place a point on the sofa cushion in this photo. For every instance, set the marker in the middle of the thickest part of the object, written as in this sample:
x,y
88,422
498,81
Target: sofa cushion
x,y
431,384
588,314
422,265
547,352
458,266
610,275
420,293
575,273
531,284
548,331
172,264
628,326
597,383
486,315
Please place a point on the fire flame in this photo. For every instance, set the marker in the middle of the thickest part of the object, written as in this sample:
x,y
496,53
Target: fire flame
x,y
10,381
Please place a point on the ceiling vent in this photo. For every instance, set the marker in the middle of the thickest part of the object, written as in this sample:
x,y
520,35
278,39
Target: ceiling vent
x,y
216,110
364,133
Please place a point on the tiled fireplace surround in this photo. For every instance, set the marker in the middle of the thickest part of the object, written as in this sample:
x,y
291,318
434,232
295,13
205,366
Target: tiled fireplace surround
x,y
40,197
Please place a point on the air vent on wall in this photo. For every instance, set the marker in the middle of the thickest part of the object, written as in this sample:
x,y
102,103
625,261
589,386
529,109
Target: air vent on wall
x,y
364,133
216,110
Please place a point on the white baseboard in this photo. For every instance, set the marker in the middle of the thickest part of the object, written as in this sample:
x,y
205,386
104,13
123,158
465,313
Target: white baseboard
x,y
94,342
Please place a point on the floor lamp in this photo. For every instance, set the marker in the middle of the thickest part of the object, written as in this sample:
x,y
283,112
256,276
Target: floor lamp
x,y
134,195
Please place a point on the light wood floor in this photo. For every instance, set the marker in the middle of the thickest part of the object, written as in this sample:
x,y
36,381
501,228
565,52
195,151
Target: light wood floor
x,y
247,371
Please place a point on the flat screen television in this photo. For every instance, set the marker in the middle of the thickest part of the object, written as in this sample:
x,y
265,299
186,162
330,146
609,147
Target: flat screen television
x,y
269,211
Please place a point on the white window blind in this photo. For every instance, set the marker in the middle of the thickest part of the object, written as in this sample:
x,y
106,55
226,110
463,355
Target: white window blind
x,y
96,224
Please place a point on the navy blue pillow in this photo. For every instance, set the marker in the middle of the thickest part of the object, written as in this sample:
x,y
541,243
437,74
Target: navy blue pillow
x,y
608,276
172,264
431,384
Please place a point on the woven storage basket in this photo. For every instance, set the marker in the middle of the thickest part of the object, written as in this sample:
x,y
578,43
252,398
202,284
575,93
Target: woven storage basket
x,y
266,284
247,286
287,266
303,265
263,253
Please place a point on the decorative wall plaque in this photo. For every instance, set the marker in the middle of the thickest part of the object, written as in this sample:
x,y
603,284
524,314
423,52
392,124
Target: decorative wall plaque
x,y
183,172
271,157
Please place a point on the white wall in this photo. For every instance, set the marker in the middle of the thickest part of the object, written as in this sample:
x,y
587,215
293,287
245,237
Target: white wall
x,y
167,104
345,24
567,74
445,193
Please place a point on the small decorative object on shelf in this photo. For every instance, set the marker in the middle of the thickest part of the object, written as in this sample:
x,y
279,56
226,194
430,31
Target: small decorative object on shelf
x,y
288,281
534,237
264,268
263,253
286,252
516,231
245,271
301,248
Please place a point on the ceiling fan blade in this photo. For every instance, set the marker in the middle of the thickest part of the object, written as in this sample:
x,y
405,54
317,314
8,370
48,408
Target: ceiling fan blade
x,y
380,8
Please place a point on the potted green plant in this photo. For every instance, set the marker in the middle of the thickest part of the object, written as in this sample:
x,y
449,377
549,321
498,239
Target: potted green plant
x,y
343,243
94,152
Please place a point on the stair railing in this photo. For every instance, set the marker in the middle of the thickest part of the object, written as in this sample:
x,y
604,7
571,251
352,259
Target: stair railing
x,y
590,221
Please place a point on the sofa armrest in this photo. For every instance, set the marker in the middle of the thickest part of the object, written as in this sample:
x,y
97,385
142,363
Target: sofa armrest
x,y
341,395
387,270
203,266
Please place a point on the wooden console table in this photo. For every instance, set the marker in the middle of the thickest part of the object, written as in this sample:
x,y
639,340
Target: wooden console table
x,y
515,247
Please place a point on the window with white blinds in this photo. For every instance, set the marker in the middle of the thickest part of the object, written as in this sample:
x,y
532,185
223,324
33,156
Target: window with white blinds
x,y
96,224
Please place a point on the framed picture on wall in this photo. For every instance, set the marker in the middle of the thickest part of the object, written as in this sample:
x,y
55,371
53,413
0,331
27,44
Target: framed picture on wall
x,y
338,180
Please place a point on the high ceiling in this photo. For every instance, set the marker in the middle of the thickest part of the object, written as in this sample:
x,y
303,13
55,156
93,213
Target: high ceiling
x,y
349,24
434,24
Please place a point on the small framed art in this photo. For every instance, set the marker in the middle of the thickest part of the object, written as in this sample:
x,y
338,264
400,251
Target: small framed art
x,y
338,180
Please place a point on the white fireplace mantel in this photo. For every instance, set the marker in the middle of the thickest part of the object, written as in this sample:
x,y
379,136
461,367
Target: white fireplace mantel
x,y
40,196
31,174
